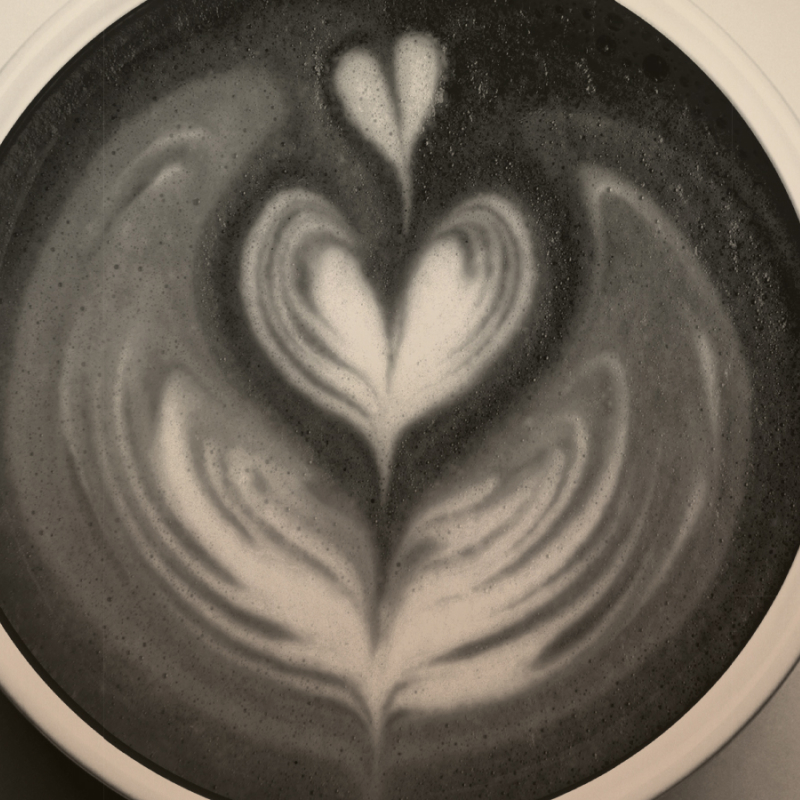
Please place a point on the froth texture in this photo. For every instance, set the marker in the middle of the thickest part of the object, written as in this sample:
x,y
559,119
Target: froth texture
x,y
386,414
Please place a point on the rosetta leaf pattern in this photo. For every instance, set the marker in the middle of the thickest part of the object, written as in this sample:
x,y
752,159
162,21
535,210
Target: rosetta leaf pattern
x,y
571,529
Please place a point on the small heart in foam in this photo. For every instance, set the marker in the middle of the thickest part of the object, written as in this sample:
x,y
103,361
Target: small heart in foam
x,y
318,319
392,121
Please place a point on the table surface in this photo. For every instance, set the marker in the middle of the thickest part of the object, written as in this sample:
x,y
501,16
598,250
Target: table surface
x,y
763,761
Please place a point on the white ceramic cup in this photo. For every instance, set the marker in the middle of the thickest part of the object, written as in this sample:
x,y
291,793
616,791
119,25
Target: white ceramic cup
x,y
766,32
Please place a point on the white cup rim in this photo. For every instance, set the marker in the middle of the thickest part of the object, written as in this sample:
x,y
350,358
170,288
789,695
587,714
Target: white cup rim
x,y
772,651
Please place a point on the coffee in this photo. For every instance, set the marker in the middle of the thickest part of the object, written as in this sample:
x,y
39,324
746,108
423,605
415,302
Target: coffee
x,y
396,399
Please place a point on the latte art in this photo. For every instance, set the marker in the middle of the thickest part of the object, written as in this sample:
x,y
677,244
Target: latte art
x,y
400,427
493,571
393,125
492,574
467,297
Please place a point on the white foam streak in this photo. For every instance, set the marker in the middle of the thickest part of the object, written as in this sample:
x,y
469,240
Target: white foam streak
x,y
270,577
710,372
348,304
485,575
367,101
418,66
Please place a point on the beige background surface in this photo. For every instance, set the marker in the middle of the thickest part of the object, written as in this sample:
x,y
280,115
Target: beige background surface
x,y
764,760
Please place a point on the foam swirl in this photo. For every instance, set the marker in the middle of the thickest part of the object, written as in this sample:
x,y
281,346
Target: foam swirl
x,y
313,312
539,552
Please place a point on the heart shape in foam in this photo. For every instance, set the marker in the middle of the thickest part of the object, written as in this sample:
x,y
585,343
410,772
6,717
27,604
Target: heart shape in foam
x,y
392,124
317,317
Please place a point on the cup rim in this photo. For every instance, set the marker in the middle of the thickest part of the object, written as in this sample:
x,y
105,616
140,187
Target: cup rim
x,y
767,658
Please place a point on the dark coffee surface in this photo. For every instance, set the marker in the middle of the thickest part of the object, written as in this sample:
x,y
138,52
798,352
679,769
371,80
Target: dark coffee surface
x,y
459,463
